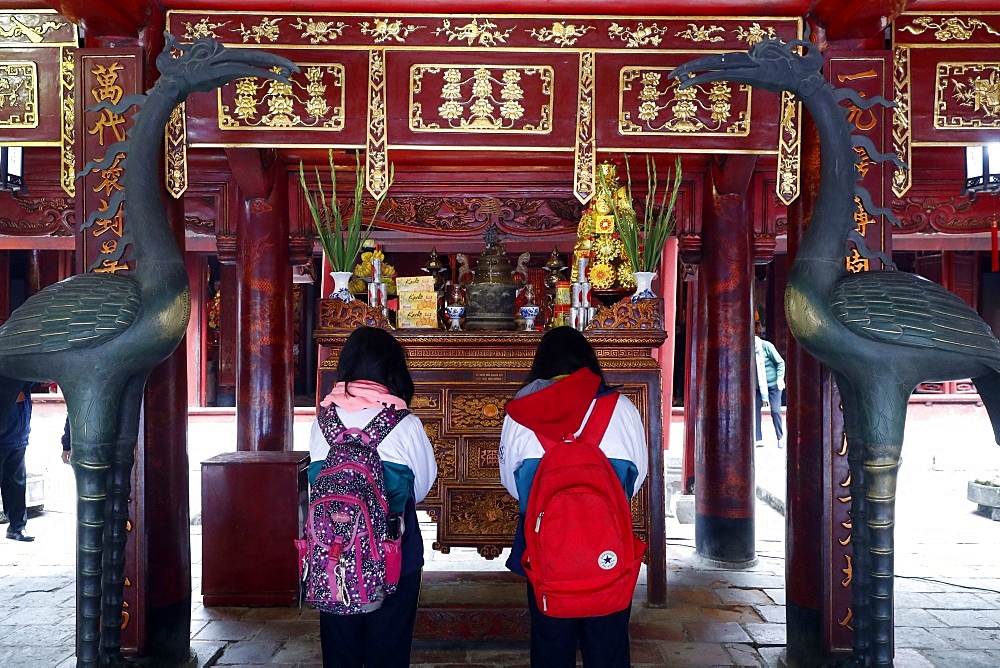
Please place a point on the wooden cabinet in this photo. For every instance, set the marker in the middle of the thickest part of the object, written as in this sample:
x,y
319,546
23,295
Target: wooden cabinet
x,y
463,383
253,508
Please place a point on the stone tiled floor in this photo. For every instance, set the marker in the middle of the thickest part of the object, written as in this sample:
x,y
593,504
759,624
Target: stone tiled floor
x,y
947,584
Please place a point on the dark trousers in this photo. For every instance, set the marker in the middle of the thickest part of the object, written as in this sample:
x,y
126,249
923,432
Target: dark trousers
x,y
774,397
375,639
603,640
14,487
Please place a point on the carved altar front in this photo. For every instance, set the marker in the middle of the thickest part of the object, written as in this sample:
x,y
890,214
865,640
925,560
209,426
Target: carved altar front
x,y
463,383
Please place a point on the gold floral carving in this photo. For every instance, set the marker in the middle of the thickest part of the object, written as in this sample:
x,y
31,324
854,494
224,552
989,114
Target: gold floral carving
x,y
901,177
658,106
320,32
67,84
336,314
477,413
274,105
267,30
384,30
643,314
202,28
377,155
975,87
474,33
482,98
18,94
640,35
561,34
755,34
481,512
175,152
697,33
789,149
948,29
585,153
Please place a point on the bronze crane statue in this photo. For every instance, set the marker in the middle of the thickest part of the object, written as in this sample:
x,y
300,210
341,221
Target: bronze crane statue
x,y
100,334
881,333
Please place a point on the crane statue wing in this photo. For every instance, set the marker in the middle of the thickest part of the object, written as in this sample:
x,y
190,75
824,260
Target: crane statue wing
x,y
82,311
906,309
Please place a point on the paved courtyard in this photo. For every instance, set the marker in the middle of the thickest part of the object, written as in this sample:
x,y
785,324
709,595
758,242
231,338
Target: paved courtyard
x,y
947,571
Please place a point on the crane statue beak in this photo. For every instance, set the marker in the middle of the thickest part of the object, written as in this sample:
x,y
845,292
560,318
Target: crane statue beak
x,y
735,66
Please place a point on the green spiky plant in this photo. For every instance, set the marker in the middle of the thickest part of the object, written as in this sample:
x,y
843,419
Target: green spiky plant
x,y
644,241
341,240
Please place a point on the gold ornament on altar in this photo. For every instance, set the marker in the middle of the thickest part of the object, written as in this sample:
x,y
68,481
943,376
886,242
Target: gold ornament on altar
x,y
362,273
598,237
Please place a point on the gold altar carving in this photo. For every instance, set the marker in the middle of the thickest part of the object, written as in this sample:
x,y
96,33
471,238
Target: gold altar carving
x,y
789,149
175,152
948,29
377,170
585,151
463,381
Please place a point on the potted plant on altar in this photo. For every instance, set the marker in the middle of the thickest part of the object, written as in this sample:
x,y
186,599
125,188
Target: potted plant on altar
x,y
341,239
644,240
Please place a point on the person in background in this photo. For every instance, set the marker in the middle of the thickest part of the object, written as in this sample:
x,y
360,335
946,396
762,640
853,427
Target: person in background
x,y
564,382
66,444
372,374
13,475
770,383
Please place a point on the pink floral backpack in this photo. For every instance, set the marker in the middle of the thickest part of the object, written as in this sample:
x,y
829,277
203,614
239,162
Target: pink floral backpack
x,y
348,561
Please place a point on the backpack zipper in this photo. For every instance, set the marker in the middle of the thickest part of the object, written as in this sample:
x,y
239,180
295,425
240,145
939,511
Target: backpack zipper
x,y
538,522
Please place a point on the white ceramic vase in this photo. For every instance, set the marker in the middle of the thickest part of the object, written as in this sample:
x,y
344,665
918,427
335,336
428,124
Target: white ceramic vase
x,y
643,283
341,279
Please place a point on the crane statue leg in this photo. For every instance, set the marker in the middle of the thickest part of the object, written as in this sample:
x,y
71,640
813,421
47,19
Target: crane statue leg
x,y
116,528
91,459
873,422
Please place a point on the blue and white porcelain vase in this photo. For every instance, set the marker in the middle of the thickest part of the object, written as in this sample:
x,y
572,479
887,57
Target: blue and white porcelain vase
x,y
643,283
341,279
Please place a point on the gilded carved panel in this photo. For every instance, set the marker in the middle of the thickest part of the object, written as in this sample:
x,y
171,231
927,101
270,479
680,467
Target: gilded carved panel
x,y
18,94
967,95
475,412
314,99
650,103
482,459
481,98
480,512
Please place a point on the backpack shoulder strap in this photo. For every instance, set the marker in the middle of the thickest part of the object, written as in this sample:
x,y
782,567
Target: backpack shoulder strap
x,y
600,418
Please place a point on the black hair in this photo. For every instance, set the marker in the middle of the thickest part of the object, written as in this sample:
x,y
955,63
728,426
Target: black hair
x,y
562,351
374,354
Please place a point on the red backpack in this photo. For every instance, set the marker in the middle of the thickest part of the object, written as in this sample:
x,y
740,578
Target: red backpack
x,y
582,558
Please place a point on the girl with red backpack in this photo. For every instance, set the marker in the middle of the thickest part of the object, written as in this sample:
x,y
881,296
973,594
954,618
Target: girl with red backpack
x,y
566,410
372,378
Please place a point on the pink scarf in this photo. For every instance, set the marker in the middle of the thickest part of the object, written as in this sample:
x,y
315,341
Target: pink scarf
x,y
362,394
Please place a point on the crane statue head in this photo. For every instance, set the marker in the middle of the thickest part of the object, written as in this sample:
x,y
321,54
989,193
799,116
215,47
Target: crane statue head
x,y
205,65
771,64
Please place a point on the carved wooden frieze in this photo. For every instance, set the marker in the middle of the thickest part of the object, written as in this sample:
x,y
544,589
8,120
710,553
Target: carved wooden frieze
x,y
625,314
473,214
943,210
338,314
37,216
